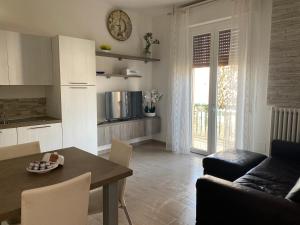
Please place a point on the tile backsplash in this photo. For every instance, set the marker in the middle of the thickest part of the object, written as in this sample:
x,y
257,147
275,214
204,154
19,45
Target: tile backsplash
x,y
21,108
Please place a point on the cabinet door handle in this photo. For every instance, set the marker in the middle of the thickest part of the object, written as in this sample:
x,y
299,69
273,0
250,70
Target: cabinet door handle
x,y
33,128
78,83
78,87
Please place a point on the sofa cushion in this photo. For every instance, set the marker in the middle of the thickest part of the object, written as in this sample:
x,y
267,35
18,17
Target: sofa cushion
x,y
230,165
294,194
273,176
286,150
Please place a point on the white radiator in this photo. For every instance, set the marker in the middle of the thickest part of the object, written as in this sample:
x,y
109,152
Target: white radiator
x,y
285,124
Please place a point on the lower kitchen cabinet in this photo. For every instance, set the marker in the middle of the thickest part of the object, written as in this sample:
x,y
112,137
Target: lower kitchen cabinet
x,y
79,117
8,137
49,136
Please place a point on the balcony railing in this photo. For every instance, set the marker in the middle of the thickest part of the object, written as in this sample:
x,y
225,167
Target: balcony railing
x,y
225,126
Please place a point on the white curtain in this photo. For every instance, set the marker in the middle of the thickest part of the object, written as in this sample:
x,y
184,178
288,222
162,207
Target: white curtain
x,y
178,130
248,63
244,116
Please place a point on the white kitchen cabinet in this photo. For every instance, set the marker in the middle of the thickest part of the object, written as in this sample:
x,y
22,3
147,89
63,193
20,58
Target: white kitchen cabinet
x,y
74,91
8,137
49,136
29,59
77,61
79,117
3,60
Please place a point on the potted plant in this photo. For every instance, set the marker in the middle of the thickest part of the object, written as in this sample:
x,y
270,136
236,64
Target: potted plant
x,y
105,48
148,37
151,98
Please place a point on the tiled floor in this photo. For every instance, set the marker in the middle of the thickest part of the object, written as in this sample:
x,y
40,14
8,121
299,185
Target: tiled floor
x,y
162,189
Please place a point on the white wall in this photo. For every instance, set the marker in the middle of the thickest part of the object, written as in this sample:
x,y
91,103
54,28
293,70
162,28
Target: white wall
x,y
117,83
83,19
160,77
22,91
210,12
77,18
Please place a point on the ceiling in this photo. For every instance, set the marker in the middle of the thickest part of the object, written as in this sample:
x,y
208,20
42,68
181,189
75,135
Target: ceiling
x,y
144,4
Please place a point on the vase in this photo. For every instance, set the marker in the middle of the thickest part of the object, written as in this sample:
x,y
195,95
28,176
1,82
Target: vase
x,y
150,114
147,54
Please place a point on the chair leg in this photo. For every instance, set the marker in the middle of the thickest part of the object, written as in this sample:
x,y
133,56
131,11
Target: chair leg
x,y
127,214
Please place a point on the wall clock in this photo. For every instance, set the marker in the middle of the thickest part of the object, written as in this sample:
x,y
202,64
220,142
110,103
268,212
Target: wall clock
x,y
119,25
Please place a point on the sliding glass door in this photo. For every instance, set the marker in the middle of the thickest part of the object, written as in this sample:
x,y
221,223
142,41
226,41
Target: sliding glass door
x,y
213,111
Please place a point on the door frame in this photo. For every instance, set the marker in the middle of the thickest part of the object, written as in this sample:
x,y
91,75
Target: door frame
x,y
214,28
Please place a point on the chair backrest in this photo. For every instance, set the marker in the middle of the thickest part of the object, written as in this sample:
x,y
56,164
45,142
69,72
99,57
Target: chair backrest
x,y
15,151
65,203
121,154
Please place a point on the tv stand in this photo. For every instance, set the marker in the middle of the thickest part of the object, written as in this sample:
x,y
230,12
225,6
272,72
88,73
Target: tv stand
x,y
128,129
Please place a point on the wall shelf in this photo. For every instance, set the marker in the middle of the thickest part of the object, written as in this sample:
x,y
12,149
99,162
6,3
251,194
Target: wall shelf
x,y
130,57
119,75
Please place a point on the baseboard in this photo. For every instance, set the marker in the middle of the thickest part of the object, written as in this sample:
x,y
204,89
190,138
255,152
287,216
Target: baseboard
x,y
136,141
159,141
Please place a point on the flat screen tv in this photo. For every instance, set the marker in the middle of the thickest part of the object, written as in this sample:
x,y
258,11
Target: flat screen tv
x,y
123,105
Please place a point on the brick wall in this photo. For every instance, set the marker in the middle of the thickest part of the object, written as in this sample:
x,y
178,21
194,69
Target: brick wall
x,y
284,71
23,108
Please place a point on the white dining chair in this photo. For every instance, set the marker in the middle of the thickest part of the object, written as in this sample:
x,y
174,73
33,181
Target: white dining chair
x,y
64,203
121,154
15,151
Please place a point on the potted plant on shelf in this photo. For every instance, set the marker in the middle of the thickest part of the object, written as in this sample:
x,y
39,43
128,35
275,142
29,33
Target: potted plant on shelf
x,y
148,37
105,48
151,98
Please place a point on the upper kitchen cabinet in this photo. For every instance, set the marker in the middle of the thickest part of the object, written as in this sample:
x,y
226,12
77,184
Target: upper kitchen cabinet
x,y
3,60
29,59
76,60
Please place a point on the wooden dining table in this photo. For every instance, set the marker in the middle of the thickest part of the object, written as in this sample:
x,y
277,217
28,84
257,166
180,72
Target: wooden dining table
x,y
14,179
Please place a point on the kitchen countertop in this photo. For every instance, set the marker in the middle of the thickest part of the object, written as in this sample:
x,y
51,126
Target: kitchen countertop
x,y
30,122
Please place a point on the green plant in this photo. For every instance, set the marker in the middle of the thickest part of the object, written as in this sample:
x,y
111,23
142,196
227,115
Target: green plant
x,y
148,37
105,47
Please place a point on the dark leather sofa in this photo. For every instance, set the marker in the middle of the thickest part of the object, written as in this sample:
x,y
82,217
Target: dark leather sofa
x,y
258,197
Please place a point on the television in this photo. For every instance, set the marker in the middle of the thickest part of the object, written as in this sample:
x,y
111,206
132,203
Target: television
x,y
123,105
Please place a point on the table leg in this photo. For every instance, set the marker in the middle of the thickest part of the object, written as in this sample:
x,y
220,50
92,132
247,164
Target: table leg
x,y
110,204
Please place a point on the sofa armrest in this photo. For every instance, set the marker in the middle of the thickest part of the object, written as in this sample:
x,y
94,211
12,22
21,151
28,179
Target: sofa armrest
x,y
285,150
223,202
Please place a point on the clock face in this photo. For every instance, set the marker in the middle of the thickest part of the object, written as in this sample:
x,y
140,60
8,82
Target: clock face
x,y
119,25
